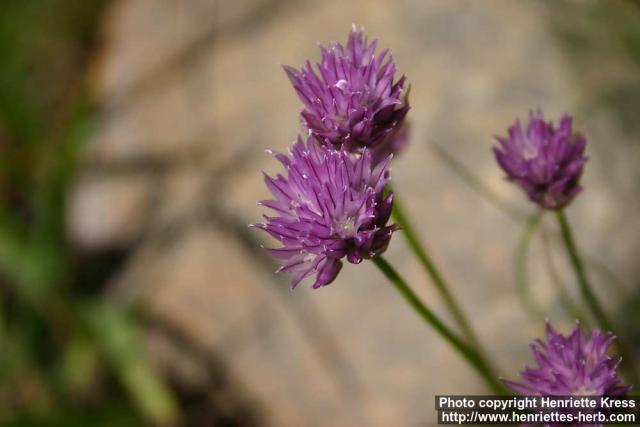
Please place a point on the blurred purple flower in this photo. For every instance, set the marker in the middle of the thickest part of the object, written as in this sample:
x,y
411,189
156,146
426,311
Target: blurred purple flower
x,y
573,365
330,205
353,102
546,162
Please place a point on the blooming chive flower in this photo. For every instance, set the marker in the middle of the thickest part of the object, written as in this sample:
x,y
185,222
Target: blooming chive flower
x,y
330,205
574,365
545,161
353,102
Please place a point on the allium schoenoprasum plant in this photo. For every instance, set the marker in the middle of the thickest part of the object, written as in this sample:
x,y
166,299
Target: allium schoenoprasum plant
x,y
351,100
547,162
334,200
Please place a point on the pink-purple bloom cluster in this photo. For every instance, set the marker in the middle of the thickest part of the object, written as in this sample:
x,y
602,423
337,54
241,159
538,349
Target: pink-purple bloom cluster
x,y
330,205
545,161
573,365
352,101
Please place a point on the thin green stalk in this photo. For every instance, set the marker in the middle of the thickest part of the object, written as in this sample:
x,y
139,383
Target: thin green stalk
x,y
433,272
587,292
576,262
522,276
469,353
572,310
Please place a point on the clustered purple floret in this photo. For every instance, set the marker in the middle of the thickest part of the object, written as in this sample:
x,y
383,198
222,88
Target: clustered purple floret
x,y
352,101
573,365
547,162
330,205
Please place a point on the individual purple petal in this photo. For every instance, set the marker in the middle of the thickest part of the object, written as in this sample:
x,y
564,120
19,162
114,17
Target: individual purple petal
x,y
327,272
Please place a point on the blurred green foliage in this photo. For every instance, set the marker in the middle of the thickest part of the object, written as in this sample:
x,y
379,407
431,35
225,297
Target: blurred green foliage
x,y
68,355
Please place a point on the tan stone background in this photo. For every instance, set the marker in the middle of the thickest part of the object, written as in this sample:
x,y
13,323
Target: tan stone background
x,y
192,93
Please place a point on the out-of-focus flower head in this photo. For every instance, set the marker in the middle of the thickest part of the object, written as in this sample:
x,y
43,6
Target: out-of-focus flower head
x,y
573,365
546,161
330,205
352,101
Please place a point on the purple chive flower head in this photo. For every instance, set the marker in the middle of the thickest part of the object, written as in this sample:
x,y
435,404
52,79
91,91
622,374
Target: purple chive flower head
x,y
545,161
574,365
330,205
352,101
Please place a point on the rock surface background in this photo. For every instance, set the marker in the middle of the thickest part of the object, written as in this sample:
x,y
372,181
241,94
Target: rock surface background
x,y
192,94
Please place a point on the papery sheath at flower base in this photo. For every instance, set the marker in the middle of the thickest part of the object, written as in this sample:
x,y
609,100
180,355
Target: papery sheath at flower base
x,y
352,101
573,365
330,205
545,160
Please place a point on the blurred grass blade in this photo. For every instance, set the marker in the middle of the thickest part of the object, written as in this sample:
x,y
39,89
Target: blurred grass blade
x,y
31,268
120,341
79,364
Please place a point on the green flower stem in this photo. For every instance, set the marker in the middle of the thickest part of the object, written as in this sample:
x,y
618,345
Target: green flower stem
x,y
522,276
589,296
433,272
474,358
572,309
